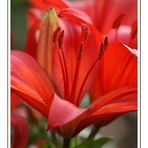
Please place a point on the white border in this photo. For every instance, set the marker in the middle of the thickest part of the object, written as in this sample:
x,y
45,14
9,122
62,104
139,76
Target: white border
x,y
3,74
144,74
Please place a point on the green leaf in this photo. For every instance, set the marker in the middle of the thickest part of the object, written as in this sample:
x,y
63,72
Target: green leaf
x,y
98,143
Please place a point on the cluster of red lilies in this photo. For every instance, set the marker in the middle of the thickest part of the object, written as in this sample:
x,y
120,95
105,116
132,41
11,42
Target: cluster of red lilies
x,y
74,48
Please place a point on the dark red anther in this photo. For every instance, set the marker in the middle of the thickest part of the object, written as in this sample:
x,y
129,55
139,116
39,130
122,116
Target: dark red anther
x,y
80,51
101,52
134,29
84,32
117,21
105,43
60,40
55,34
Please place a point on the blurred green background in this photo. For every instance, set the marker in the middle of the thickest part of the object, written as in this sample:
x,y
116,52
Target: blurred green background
x,y
18,23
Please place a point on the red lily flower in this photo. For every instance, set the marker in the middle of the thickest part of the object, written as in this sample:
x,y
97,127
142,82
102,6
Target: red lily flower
x,y
112,18
67,63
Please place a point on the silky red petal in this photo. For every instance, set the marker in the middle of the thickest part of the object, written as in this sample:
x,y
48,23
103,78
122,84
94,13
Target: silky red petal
x,y
102,111
117,68
20,127
31,41
30,82
44,4
61,112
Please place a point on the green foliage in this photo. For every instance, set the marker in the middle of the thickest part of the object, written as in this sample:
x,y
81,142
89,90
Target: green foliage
x,y
94,143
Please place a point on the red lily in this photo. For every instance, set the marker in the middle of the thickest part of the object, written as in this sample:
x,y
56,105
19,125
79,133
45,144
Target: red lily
x,y
65,70
112,18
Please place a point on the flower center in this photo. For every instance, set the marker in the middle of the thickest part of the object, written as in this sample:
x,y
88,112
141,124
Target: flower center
x,y
75,95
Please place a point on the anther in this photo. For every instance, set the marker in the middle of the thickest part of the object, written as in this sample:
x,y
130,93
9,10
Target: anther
x,y
80,51
101,52
60,39
84,32
105,43
117,21
55,34
134,29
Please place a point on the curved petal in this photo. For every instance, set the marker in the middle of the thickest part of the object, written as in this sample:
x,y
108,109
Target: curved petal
x,y
117,68
31,41
44,4
30,82
20,131
61,112
70,120
104,110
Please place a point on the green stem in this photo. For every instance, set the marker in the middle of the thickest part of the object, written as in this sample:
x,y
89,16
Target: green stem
x,y
54,139
66,143
94,131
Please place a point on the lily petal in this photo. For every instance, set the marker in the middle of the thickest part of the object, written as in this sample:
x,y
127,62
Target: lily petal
x,y
30,82
61,112
102,111
117,68
44,4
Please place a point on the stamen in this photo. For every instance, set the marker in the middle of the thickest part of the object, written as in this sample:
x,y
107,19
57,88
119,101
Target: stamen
x,y
134,29
105,43
84,32
80,51
103,47
101,52
84,29
78,98
117,21
64,66
55,34
60,39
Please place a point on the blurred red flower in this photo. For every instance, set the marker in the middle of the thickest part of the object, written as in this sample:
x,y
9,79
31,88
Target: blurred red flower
x,y
116,19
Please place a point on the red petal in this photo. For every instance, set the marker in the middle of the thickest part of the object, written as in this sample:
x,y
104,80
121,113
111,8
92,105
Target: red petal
x,y
103,111
30,82
61,112
118,68
44,4
31,41
21,132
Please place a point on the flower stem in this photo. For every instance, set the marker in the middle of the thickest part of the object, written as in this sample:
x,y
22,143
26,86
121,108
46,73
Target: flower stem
x,y
66,142
94,131
54,139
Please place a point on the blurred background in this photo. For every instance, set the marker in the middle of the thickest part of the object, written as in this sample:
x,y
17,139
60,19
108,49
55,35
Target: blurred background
x,y
123,130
